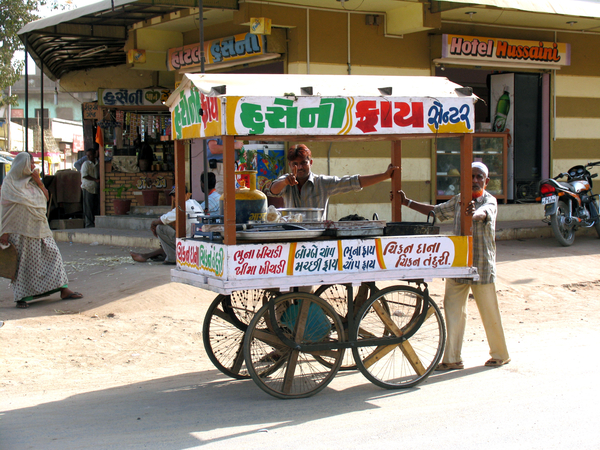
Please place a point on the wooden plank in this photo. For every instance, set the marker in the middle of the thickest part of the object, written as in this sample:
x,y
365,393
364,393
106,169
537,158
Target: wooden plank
x,y
290,371
466,183
239,359
180,214
229,189
396,181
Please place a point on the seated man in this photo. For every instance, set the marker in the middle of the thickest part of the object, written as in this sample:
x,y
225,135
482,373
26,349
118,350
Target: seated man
x,y
301,188
213,195
163,229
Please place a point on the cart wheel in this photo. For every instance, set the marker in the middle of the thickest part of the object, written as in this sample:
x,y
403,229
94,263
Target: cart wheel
x,y
392,312
336,295
303,319
224,326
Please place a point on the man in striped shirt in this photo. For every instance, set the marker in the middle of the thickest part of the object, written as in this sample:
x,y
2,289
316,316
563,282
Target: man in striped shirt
x,y
301,188
483,207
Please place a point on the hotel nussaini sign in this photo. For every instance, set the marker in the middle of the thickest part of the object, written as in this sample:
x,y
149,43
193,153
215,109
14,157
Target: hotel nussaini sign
x,y
487,51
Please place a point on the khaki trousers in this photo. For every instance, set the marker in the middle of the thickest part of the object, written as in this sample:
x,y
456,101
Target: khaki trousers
x,y
455,311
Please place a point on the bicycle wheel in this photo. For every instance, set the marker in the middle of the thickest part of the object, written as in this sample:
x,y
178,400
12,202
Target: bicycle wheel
x,y
225,324
302,319
336,295
393,312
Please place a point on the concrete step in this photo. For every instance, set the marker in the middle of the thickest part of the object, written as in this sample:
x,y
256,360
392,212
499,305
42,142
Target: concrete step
x,y
149,210
130,222
105,236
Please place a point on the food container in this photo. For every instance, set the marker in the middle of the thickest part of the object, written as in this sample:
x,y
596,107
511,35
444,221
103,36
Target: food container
x,y
412,228
308,214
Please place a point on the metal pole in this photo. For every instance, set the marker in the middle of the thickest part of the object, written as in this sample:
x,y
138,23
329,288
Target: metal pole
x,y
204,148
42,114
26,98
8,117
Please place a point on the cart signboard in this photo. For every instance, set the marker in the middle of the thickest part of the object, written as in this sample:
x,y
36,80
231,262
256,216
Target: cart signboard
x,y
299,259
203,107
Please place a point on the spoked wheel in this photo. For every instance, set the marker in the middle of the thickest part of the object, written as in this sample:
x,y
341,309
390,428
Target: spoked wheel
x,y
296,318
564,235
225,324
336,295
399,311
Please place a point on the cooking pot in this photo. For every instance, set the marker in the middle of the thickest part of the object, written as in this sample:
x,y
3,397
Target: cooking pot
x,y
412,228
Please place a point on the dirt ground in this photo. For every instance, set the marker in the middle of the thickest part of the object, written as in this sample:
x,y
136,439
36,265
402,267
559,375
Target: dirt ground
x,y
134,325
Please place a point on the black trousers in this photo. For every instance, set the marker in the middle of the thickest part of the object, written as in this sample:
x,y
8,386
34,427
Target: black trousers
x,y
91,207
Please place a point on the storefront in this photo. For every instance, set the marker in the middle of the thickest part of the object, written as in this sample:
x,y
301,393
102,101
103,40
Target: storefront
x,y
513,78
134,130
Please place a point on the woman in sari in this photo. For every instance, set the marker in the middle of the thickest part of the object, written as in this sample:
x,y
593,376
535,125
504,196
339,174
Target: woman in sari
x,y
23,223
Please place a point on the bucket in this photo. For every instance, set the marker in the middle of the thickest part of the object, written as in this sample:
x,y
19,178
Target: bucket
x,y
150,197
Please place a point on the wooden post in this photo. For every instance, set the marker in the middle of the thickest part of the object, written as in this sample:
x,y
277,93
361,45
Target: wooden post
x,y
102,176
229,189
466,182
180,212
396,181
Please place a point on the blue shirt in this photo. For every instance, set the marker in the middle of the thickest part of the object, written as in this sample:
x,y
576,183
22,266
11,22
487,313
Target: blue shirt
x,y
217,157
213,203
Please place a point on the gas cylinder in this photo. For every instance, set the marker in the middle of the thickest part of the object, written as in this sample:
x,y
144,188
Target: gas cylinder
x,y
250,203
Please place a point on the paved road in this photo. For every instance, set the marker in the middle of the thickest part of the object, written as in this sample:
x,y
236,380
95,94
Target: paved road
x,y
546,398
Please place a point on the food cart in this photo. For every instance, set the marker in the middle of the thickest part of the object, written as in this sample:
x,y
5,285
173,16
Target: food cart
x,y
263,323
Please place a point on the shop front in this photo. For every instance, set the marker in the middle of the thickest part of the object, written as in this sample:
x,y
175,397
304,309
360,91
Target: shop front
x,y
513,77
133,130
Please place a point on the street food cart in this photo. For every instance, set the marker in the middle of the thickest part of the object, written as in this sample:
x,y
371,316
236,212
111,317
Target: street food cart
x,y
264,322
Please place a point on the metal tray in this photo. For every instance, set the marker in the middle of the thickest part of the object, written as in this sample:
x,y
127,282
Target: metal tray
x,y
283,235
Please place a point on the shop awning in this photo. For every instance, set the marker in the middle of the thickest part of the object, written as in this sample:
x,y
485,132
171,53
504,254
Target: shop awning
x,y
93,36
300,105
581,8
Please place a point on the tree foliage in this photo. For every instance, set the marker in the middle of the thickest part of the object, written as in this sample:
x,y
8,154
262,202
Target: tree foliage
x,y
14,15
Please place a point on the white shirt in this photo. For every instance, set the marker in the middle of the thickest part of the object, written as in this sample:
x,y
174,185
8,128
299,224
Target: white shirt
x,y
192,207
213,203
89,169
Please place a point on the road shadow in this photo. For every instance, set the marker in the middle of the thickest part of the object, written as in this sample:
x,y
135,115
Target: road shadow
x,y
177,412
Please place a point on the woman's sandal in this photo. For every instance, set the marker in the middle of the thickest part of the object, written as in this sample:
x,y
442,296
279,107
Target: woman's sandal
x,y
22,304
443,367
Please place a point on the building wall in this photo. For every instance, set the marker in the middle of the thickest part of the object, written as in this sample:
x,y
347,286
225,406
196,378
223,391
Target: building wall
x,y
577,89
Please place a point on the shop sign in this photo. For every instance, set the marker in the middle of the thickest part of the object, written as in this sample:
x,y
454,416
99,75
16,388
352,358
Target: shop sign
x,y
132,97
185,114
322,257
322,116
92,111
348,115
226,49
77,143
505,50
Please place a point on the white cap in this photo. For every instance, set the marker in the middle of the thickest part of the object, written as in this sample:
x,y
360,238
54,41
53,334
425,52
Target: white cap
x,y
481,166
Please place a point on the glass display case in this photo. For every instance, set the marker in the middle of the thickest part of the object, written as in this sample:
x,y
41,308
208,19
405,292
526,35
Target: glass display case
x,y
489,148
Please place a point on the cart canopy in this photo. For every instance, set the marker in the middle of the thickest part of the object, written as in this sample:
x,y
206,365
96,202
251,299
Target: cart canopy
x,y
207,105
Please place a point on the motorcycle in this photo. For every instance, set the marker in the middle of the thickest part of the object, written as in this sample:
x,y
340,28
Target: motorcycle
x,y
570,204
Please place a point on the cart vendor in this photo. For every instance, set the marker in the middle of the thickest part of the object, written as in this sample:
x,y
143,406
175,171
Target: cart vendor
x,y
483,207
303,189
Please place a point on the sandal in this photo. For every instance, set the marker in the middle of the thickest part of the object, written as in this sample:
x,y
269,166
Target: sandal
x,y
493,362
443,367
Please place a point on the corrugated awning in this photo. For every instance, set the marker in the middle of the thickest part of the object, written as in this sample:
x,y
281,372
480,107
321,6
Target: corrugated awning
x,y
94,36
581,8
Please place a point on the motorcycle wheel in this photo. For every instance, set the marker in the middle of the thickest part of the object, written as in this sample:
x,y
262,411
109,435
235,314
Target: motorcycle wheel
x,y
594,205
564,235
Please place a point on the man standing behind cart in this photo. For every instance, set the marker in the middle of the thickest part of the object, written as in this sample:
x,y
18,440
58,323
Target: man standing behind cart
x,y
301,188
215,159
483,207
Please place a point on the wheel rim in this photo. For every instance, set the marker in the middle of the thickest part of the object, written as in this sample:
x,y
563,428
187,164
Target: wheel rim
x,y
225,326
399,312
293,373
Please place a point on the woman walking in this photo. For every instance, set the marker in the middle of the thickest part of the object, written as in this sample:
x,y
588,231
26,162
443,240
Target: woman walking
x,y
23,223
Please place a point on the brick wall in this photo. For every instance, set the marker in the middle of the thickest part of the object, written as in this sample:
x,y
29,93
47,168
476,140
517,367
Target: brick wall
x,y
141,181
